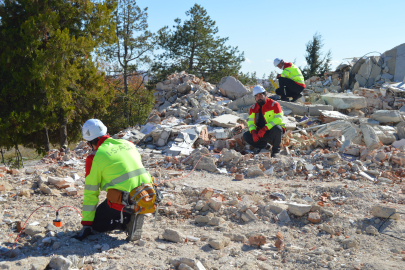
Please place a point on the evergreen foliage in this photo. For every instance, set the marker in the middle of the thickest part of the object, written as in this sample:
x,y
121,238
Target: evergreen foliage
x,y
130,54
194,47
247,78
316,64
48,80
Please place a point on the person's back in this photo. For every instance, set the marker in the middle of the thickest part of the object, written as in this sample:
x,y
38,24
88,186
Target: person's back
x,y
115,166
119,164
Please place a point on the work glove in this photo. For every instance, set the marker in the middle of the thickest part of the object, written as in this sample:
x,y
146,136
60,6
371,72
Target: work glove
x,y
86,231
255,136
262,132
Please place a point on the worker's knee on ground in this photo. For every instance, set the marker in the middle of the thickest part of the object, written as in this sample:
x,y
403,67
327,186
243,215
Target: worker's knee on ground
x,y
247,136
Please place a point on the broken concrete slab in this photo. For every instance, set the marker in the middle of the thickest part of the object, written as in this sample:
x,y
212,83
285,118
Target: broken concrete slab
x,y
232,88
304,109
387,116
386,134
373,98
384,212
225,120
289,123
296,108
245,101
369,71
161,136
399,63
230,156
299,209
202,159
370,137
345,101
331,116
349,130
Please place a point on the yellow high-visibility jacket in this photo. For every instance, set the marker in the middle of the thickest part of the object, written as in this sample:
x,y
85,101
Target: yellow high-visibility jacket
x,y
273,115
115,164
292,72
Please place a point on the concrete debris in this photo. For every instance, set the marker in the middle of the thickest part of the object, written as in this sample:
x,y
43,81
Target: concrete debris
x,y
341,159
242,104
331,116
232,88
254,172
370,137
385,212
226,120
173,236
299,209
198,125
343,101
385,116
219,242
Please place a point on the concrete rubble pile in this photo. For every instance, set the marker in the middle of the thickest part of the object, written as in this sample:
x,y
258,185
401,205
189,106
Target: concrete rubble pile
x,y
198,125
320,204
365,72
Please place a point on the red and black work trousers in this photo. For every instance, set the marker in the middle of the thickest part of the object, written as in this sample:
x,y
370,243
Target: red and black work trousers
x,y
272,136
288,88
109,219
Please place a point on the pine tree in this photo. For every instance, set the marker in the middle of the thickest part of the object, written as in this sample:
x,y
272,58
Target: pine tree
x,y
47,76
132,51
194,47
316,64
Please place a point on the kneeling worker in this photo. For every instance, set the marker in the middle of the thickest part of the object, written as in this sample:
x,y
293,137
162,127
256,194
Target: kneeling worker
x,y
114,166
265,123
291,81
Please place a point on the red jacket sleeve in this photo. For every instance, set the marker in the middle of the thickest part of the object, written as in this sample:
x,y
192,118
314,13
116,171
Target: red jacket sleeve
x,y
89,163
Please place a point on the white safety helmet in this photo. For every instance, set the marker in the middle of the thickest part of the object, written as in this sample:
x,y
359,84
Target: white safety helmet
x,y
93,128
277,61
258,89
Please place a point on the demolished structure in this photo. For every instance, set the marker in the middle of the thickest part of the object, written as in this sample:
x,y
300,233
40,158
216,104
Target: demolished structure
x,y
339,176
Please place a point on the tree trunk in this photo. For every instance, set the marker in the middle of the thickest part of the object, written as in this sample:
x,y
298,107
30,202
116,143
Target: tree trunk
x,y
46,140
63,132
126,115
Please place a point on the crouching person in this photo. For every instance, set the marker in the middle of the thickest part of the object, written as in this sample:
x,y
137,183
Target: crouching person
x,y
114,166
266,127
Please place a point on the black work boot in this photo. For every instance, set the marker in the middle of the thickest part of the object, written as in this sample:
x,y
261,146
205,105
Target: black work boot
x,y
295,99
275,155
134,227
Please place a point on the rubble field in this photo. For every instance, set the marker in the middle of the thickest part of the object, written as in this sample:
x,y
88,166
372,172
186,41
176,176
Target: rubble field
x,y
333,199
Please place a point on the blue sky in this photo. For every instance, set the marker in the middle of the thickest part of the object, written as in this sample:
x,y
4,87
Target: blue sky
x,y
264,30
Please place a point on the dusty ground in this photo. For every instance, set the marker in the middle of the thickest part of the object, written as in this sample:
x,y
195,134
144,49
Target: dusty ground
x,y
306,246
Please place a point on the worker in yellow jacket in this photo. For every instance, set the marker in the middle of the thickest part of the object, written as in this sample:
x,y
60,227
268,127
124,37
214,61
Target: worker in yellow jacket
x,y
291,81
265,123
114,166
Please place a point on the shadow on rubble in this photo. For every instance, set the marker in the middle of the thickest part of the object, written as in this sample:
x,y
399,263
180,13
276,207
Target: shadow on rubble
x,y
385,226
91,245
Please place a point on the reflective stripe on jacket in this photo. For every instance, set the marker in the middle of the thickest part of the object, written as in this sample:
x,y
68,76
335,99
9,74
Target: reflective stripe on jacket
x,y
273,115
292,72
115,164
